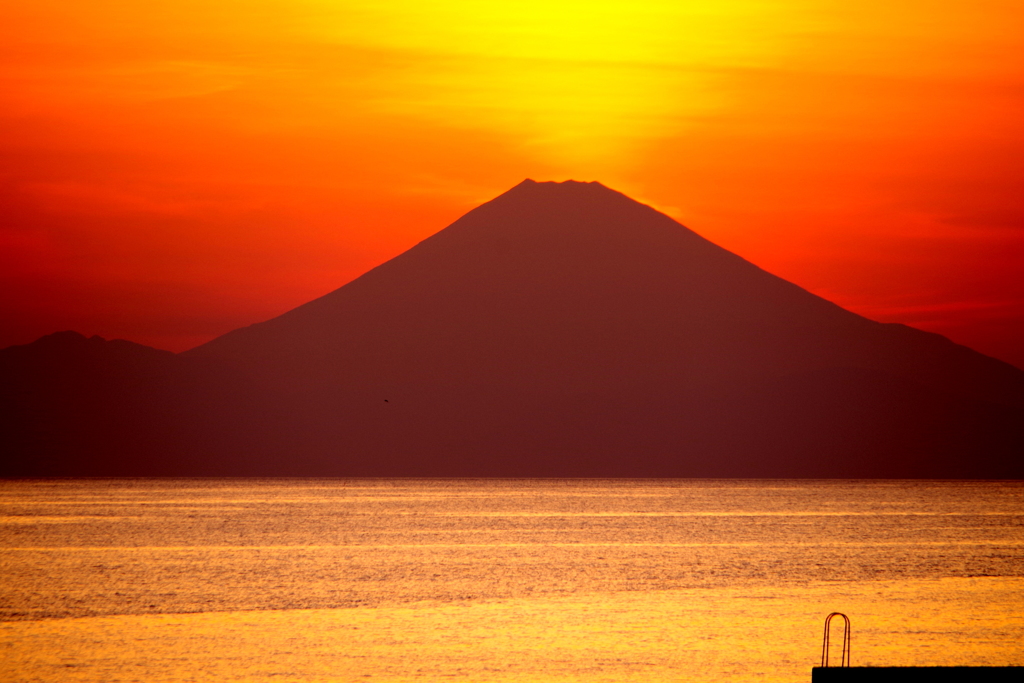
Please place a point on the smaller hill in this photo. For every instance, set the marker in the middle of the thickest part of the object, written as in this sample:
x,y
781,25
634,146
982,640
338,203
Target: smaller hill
x,y
73,406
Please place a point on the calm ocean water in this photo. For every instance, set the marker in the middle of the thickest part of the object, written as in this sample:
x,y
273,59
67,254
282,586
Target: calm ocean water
x,y
487,580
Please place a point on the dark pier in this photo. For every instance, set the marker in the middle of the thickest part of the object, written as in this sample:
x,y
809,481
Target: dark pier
x,y
913,674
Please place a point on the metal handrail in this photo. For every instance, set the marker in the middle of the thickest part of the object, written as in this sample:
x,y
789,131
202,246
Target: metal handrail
x,y
846,639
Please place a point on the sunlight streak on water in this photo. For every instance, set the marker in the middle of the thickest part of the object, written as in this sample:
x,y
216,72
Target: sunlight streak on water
x,y
402,580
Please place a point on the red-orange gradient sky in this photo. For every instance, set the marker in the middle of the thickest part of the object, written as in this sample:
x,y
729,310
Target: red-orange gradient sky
x,y
171,171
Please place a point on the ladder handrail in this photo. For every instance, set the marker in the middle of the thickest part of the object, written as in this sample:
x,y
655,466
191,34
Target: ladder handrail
x,y
846,639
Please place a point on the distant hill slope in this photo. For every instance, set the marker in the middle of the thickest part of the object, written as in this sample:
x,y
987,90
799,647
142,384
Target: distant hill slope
x,y
72,406
563,329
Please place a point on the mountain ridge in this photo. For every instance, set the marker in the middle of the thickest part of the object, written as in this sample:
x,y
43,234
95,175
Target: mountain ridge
x,y
564,329
469,229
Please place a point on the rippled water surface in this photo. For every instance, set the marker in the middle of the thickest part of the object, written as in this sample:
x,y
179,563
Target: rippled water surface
x,y
486,580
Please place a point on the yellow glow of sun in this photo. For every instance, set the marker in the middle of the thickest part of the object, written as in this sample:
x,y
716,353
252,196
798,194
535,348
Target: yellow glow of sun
x,y
582,80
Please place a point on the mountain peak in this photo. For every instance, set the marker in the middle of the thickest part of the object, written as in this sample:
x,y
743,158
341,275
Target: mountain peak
x,y
574,211
529,182
565,190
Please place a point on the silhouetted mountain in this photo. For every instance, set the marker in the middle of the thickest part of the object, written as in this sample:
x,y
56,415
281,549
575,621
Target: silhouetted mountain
x,y
563,329
77,406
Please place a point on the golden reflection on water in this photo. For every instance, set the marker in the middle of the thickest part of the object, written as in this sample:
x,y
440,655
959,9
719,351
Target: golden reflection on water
x,y
501,581
693,635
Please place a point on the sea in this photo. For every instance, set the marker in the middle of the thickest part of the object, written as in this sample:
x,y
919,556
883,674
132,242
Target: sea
x,y
502,580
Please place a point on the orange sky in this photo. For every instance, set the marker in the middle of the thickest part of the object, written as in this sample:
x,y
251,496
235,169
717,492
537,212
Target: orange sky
x,y
171,171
